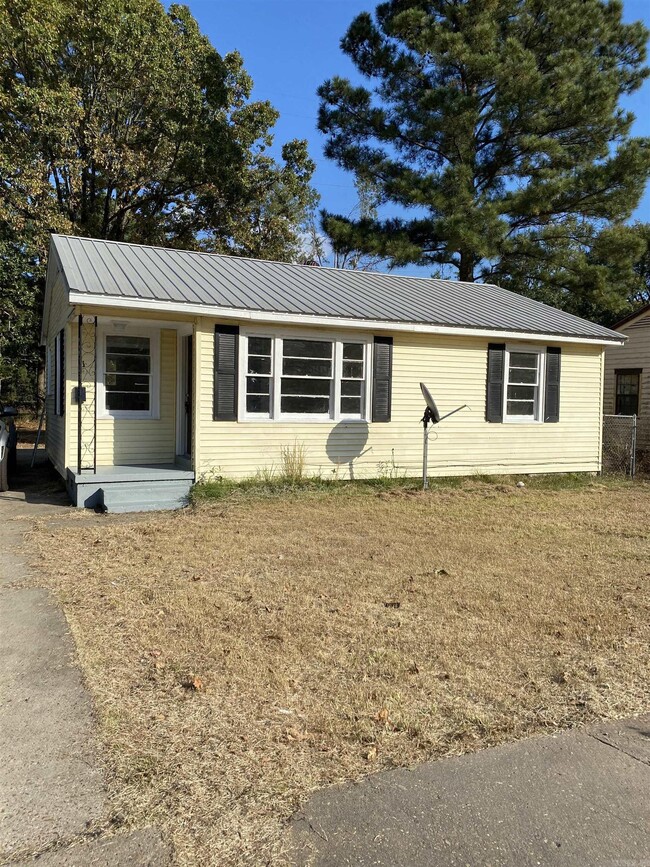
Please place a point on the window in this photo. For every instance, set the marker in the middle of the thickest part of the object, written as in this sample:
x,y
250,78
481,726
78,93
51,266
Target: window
x,y
522,392
128,374
259,375
627,392
127,378
353,380
307,377
59,373
296,377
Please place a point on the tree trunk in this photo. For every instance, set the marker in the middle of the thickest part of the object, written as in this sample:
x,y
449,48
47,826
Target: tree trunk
x,y
466,267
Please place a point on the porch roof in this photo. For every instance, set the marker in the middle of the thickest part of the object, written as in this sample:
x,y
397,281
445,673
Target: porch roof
x,y
165,277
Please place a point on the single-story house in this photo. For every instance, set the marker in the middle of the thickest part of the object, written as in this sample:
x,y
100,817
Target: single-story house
x,y
168,366
627,373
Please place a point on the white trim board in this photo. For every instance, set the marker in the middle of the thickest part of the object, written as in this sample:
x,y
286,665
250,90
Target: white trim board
x,y
215,312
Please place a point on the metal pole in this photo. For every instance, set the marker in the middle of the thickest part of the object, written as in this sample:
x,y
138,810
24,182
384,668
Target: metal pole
x,y
95,396
633,456
79,384
425,459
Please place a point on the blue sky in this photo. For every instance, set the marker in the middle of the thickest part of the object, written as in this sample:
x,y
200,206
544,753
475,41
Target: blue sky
x,y
291,46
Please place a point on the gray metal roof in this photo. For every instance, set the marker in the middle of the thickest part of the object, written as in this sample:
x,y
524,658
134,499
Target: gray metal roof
x,y
134,271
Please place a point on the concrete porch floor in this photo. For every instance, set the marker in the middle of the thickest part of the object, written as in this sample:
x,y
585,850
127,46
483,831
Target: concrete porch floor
x,y
133,488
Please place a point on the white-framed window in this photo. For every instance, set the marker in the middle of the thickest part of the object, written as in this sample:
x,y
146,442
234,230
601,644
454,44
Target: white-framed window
x,y
59,372
49,371
524,375
303,378
128,373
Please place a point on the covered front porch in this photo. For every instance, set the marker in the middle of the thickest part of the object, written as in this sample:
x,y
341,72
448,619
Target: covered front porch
x,y
131,415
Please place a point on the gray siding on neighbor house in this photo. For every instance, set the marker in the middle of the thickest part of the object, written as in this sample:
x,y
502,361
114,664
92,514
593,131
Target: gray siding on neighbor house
x,y
634,355
133,271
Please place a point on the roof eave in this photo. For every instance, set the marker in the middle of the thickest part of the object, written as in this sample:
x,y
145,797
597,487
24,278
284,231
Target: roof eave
x,y
153,306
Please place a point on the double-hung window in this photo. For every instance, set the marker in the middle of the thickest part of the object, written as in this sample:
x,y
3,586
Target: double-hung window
x,y
259,376
305,379
59,373
524,372
627,391
129,374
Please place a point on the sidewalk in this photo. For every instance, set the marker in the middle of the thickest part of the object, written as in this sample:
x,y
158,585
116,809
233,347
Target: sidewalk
x,y
52,796
577,799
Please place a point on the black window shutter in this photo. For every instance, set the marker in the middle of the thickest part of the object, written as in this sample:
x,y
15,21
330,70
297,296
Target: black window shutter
x,y
382,375
495,377
552,384
226,354
61,383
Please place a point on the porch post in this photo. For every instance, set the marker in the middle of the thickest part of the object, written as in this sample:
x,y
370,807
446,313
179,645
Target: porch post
x,y
86,394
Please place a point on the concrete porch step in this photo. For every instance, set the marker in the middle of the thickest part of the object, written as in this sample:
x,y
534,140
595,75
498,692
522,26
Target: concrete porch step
x,y
132,488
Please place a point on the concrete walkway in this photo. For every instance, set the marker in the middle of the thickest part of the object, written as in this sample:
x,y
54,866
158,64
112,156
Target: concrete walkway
x,y
52,796
578,799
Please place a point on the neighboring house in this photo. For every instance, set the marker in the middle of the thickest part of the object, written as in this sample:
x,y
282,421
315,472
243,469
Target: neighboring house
x,y
167,366
627,373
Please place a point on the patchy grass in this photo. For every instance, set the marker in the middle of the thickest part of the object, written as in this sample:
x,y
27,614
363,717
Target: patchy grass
x,y
281,484
252,649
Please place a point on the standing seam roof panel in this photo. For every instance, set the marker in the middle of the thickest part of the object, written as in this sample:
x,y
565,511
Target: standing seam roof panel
x,y
165,275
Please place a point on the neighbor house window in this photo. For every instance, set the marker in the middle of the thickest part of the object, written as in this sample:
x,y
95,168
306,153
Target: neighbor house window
x,y
303,378
523,383
627,392
128,380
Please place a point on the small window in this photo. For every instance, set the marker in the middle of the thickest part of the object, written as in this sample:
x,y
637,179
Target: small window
x,y
352,380
127,376
59,373
627,392
522,385
259,376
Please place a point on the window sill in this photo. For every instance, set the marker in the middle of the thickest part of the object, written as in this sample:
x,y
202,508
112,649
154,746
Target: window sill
x,y
296,419
522,421
127,416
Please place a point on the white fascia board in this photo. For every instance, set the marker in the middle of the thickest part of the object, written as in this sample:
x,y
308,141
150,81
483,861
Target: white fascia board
x,y
214,312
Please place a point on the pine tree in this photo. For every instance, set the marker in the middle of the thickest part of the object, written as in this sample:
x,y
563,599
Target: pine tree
x,y
493,130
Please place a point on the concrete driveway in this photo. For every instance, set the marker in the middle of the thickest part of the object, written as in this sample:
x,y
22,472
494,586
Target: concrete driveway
x,y
53,804
577,799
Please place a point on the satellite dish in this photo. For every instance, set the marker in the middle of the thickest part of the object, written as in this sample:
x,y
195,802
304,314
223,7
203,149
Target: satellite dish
x,y
431,404
431,415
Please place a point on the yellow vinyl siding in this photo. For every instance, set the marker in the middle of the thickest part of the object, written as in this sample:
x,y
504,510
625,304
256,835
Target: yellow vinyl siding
x,y
454,368
58,312
634,354
133,441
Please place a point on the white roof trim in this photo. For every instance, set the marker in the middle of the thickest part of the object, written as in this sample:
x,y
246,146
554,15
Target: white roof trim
x,y
216,312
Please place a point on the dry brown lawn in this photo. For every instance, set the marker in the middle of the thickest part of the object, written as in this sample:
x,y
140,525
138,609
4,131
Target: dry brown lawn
x,y
245,653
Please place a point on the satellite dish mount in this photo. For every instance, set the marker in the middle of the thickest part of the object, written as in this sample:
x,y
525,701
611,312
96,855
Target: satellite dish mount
x,y
431,416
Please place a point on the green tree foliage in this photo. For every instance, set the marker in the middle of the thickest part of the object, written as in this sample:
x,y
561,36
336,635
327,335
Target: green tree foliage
x,y
333,252
494,131
118,119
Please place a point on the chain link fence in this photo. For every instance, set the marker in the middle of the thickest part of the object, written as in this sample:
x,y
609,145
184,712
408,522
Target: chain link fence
x,y
620,444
